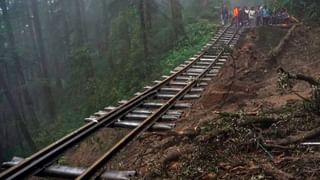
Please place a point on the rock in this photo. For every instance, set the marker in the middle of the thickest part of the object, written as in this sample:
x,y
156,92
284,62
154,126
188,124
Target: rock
x,y
175,167
167,142
191,133
210,176
172,155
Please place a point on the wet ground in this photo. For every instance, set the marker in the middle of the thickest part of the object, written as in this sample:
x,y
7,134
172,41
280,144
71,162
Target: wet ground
x,y
208,145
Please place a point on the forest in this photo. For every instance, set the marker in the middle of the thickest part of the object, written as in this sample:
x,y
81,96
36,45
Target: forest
x,y
61,60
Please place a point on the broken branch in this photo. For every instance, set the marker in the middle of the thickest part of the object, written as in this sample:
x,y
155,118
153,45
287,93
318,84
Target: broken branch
x,y
301,77
229,114
299,138
275,172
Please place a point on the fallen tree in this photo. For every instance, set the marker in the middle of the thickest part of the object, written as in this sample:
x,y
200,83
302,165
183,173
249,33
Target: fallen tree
x,y
277,50
269,169
287,80
299,137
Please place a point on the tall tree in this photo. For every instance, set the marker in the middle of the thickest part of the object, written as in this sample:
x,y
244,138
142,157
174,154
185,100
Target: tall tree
x,y
83,19
66,35
177,18
204,4
16,113
49,102
106,23
82,36
80,26
53,28
144,31
20,75
147,13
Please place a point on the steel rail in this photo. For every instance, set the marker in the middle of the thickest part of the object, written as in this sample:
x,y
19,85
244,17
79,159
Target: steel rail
x,y
38,161
146,124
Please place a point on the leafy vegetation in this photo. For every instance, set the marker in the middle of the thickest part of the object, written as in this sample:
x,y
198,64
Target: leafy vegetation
x,y
198,33
60,61
307,10
109,92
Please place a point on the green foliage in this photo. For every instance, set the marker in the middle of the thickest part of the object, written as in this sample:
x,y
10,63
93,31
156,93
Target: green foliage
x,y
195,10
305,9
81,61
198,33
108,92
313,105
81,85
285,83
99,58
313,12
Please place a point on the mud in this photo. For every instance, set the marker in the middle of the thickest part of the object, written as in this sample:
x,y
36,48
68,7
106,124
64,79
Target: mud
x,y
208,146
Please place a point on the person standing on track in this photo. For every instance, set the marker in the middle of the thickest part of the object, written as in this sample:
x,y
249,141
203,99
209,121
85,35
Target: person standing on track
x,y
252,17
235,19
224,15
242,16
246,15
266,16
259,16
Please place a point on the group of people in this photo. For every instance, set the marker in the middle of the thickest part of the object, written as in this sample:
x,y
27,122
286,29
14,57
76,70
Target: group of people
x,y
254,16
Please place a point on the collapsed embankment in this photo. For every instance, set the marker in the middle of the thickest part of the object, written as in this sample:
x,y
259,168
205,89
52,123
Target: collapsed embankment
x,y
254,136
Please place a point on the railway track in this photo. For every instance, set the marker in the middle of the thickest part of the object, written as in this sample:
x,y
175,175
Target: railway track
x,y
156,108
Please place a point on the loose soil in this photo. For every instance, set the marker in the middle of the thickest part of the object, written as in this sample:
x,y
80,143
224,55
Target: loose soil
x,y
208,145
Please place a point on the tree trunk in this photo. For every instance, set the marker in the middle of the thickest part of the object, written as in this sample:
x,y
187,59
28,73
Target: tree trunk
x,y
106,25
49,104
54,56
177,19
148,17
20,76
35,72
204,4
107,22
83,20
79,23
82,35
143,28
66,40
17,114
32,31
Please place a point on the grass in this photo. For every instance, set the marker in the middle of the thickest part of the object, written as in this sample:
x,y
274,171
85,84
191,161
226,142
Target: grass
x,y
198,34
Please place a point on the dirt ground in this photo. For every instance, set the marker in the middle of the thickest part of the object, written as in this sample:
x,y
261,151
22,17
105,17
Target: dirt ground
x,y
250,139
207,145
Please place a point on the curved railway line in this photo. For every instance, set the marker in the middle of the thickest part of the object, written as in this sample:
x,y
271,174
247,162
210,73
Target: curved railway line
x,y
156,108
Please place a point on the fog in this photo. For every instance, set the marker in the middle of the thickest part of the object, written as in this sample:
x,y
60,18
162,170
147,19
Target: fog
x,y
62,60
242,3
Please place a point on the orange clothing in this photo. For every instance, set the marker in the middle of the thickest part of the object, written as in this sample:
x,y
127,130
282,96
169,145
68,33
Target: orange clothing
x,y
236,12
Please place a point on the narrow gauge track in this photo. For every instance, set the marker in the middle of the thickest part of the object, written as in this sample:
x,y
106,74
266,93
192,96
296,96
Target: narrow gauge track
x,y
182,84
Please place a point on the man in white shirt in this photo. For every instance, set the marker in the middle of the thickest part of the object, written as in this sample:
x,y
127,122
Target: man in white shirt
x,y
252,16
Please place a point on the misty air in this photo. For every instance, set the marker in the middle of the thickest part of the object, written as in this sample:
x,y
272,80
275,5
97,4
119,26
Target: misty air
x,y
159,89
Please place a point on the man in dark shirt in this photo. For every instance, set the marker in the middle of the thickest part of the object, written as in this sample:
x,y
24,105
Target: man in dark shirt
x,y
242,16
225,14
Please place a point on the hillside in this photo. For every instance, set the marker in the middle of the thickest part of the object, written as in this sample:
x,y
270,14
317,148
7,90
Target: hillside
x,y
252,139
